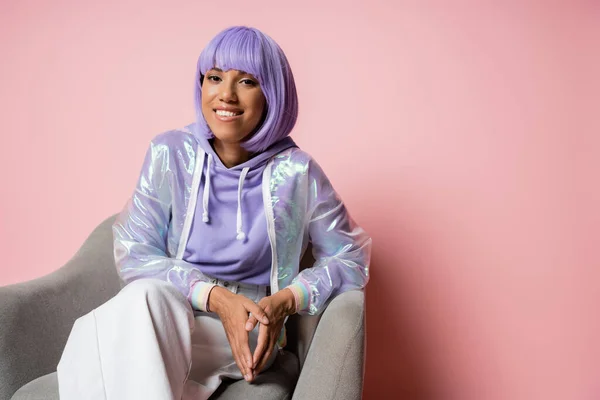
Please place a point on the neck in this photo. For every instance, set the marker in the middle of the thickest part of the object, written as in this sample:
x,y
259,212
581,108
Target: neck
x,y
230,154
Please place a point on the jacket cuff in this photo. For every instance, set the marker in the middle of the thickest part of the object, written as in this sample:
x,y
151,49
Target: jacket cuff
x,y
300,291
199,295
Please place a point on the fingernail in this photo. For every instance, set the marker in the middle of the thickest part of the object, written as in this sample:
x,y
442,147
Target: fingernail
x,y
247,377
248,326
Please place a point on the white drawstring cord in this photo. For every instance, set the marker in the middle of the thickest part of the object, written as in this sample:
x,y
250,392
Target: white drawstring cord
x,y
240,234
206,190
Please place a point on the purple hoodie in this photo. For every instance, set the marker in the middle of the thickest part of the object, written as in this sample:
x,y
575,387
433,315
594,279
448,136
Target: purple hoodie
x,y
228,237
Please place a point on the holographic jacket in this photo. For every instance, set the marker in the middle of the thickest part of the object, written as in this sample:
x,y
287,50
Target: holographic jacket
x,y
300,203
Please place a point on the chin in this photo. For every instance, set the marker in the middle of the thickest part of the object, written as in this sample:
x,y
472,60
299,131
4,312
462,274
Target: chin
x,y
229,137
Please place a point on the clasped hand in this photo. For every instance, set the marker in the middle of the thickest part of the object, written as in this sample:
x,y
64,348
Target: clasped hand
x,y
239,315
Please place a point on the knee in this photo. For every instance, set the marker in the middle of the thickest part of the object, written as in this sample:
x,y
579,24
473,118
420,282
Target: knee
x,y
157,296
151,288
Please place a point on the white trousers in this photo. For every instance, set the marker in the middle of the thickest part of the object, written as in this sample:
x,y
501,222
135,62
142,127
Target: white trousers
x,y
148,343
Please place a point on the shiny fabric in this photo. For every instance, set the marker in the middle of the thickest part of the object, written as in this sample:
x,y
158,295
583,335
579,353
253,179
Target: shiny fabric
x,y
300,205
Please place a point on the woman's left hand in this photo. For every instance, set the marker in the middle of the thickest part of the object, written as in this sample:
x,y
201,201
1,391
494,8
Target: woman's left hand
x,y
277,307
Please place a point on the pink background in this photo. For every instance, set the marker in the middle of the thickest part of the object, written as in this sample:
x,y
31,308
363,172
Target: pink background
x,y
464,139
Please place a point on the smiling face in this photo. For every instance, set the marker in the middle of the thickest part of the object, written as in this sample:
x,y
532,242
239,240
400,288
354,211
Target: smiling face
x,y
232,104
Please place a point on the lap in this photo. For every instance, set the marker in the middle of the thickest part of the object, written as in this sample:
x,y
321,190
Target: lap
x,y
133,308
210,347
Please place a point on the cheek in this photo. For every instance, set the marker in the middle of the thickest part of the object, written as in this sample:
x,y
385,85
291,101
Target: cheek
x,y
208,94
260,105
204,97
205,108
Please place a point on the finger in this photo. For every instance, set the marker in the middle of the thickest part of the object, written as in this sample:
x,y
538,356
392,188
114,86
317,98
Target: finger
x,y
265,358
261,344
245,355
251,323
256,311
267,353
241,362
241,366
247,371
241,340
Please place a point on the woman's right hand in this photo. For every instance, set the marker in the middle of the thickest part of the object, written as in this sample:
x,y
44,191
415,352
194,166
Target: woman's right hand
x,y
233,310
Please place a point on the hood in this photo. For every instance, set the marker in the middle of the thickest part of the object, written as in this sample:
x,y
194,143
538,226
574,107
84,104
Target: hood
x,y
259,160
230,179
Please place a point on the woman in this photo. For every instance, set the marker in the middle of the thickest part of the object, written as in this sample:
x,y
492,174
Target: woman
x,y
211,240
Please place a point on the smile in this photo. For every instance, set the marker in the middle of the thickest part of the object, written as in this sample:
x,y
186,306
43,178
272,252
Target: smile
x,y
228,116
223,113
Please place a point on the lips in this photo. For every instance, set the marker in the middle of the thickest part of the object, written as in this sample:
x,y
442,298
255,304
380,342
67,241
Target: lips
x,y
226,113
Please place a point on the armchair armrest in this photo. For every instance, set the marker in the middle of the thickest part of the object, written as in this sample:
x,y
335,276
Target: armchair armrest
x,y
334,365
36,317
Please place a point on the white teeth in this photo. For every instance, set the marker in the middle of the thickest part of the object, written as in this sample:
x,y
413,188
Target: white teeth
x,y
224,113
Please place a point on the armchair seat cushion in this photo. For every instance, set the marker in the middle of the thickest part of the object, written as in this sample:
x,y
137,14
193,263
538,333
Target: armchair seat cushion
x,y
276,383
43,388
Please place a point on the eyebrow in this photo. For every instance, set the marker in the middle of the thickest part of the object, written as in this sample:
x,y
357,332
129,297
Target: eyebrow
x,y
220,70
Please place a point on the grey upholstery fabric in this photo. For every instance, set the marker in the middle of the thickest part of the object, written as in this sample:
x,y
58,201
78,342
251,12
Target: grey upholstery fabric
x,y
334,366
36,318
276,383
42,388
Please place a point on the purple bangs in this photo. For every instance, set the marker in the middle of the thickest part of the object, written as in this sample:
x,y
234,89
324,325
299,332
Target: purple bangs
x,y
250,50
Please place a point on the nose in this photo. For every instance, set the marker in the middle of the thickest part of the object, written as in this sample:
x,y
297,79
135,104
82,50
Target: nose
x,y
228,93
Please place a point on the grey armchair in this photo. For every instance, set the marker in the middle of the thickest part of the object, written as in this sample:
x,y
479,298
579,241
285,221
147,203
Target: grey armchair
x,y
324,358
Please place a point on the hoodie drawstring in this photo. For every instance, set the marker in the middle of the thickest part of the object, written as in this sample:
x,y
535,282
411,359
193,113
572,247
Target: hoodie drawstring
x,y
206,191
240,234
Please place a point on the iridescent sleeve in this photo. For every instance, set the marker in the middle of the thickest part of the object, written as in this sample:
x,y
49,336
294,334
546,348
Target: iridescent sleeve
x,y
140,232
341,249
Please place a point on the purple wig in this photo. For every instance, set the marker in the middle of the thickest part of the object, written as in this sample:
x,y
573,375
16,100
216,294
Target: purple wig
x,y
250,50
